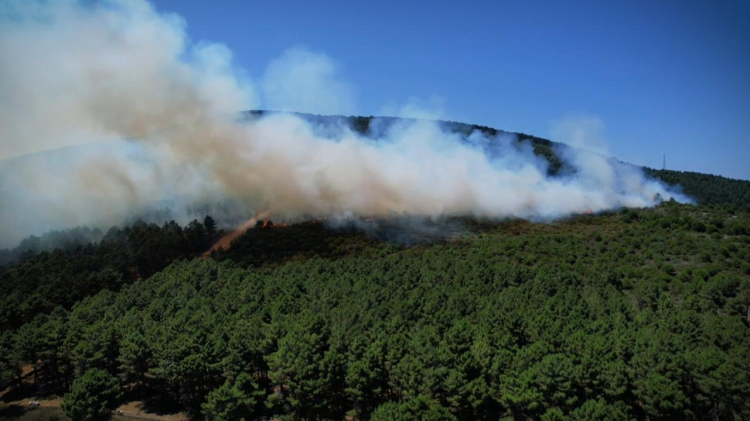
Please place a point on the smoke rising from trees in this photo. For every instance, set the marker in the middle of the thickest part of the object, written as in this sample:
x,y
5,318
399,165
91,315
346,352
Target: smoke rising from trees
x,y
158,116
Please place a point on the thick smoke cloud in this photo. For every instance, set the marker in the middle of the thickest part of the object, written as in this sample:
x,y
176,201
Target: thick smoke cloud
x,y
163,114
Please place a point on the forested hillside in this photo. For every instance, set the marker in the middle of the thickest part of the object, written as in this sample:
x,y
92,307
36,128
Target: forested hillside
x,y
50,241
706,188
43,280
639,314
631,314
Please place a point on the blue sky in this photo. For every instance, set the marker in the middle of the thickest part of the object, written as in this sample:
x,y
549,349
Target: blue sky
x,y
657,76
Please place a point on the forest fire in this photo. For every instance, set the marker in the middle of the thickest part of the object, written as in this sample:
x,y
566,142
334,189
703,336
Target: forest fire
x,y
225,241
182,238
264,224
269,224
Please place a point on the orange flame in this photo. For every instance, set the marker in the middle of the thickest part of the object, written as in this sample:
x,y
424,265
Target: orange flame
x,y
225,241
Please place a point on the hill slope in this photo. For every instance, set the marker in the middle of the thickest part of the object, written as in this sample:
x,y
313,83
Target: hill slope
x,y
640,314
634,314
704,188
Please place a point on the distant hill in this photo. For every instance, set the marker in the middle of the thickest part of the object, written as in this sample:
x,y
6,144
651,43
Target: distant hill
x,y
704,188
366,126
707,188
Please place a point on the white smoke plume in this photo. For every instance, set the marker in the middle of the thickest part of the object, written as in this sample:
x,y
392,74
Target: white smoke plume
x,y
306,82
163,114
433,108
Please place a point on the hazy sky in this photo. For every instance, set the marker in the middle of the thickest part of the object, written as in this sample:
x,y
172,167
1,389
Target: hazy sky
x,y
657,76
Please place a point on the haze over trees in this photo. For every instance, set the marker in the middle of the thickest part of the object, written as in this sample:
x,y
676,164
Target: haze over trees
x,y
42,281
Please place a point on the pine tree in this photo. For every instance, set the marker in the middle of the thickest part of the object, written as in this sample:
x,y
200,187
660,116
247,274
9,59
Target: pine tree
x,y
92,397
210,225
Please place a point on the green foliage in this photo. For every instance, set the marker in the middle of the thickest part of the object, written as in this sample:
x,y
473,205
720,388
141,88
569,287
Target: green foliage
x,y
599,410
92,397
597,317
40,282
10,361
308,371
280,244
237,401
420,408
66,240
706,188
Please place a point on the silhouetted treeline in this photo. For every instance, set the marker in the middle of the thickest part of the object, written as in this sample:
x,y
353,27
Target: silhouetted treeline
x,y
42,281
282,243
639,314
279,244
64,240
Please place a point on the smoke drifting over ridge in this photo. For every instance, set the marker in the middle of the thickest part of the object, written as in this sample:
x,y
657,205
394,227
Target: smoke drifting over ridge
x,y
164,115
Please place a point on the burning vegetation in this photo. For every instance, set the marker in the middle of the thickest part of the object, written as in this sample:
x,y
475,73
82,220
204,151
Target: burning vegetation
x,y
269,224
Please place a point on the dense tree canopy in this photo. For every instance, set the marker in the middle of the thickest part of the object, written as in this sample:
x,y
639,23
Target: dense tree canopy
x,y
632,314
42,281
627,315
707,188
